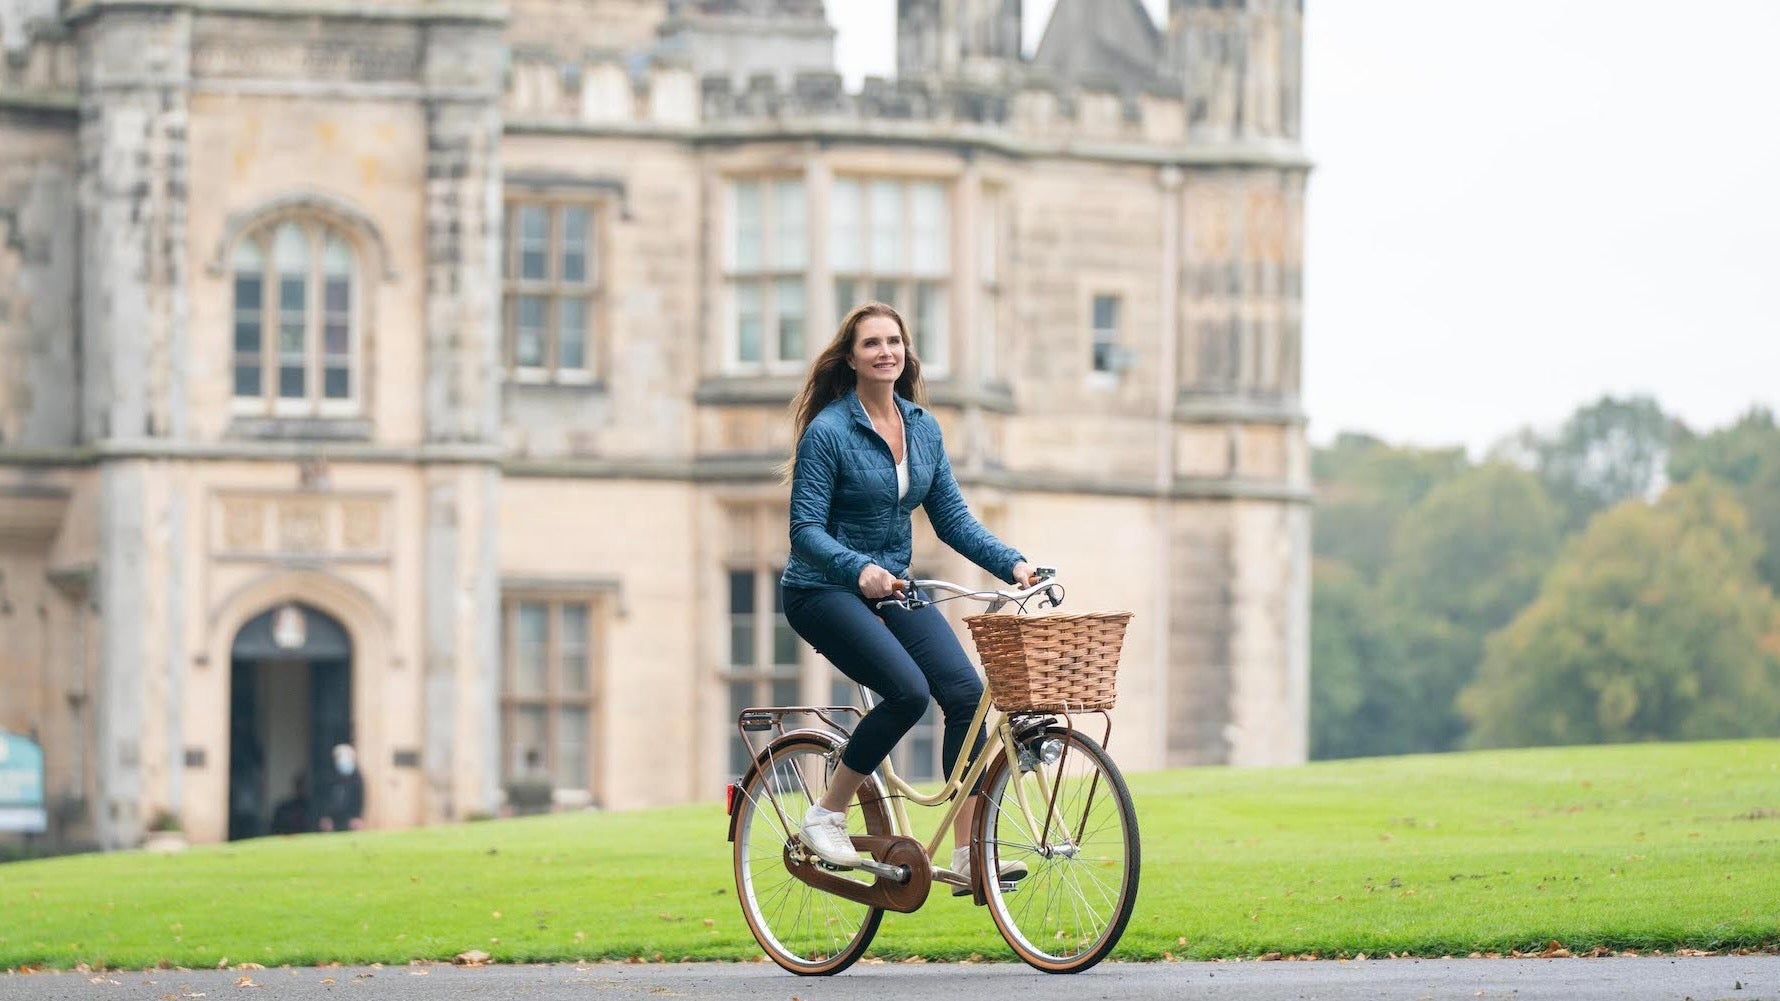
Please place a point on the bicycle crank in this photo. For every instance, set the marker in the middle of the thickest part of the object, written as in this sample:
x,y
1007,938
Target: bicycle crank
x,y
902,874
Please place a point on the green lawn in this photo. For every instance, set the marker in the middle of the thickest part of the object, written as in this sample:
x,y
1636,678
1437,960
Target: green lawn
x,y
1641,847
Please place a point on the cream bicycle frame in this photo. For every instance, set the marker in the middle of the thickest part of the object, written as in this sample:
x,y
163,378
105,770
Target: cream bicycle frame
x,y
965,773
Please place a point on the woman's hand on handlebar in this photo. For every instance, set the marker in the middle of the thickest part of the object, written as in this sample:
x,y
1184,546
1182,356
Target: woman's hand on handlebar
x,y
1025,575
876,583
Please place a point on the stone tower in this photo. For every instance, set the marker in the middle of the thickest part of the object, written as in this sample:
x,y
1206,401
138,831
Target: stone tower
x,y
1240,66
975,40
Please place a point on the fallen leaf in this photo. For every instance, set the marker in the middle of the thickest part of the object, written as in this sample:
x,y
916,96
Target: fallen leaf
x,y
420,973
472,957
327,981
246,982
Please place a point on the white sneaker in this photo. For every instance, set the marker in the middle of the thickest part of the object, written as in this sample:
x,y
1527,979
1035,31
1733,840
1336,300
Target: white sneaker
x,y
1010,871
825,833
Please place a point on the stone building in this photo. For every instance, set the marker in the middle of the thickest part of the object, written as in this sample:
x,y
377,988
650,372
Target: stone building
x,y
414,374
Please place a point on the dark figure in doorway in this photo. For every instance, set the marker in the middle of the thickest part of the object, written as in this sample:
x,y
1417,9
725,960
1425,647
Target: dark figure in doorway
x,y
343,804
291,816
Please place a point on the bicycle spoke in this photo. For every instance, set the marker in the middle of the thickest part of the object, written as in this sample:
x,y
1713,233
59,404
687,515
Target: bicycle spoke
x,y
803,928
1073,905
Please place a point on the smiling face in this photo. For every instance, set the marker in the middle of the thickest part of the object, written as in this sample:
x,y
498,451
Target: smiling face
x,y
877,355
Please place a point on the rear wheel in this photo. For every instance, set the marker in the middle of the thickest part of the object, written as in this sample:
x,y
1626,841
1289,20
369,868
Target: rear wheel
x,y
1082,855
805,930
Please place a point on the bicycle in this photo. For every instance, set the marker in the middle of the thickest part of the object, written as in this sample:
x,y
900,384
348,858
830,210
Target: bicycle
x,y
1050,797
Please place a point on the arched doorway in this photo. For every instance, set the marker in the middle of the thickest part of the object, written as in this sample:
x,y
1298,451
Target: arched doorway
x,y
290,702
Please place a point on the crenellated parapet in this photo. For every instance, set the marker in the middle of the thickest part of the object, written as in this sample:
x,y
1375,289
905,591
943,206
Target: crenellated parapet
x,y
608,92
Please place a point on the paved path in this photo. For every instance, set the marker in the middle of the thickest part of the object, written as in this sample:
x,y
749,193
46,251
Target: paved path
x,y
1707,978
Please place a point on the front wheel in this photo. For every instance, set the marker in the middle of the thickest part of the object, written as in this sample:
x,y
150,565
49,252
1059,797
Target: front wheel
x,y
1080,848
805,930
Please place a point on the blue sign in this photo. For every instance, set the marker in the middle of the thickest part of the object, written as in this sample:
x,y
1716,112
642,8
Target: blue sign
x,y
21,784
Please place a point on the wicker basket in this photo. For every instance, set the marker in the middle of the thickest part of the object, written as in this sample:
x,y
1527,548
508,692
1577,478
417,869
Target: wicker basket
x,y
1050,663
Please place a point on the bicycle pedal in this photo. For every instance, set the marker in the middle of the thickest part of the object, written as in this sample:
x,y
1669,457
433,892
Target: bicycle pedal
x,y
1009,885
830,866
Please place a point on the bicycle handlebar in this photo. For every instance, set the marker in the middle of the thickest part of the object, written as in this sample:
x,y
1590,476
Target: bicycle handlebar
x,y
1047,588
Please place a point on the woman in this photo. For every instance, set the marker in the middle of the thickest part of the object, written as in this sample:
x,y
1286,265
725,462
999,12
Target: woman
x,y
867,455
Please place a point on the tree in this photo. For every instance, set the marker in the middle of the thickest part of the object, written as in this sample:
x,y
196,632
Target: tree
x,y
1652,625
1364,488
1609,451
1465,561
1747,456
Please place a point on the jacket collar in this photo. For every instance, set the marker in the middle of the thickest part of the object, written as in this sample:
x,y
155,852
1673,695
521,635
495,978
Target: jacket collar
x,y
856,407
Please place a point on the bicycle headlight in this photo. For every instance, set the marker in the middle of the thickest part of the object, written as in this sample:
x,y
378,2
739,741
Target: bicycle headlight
x,y
1051,751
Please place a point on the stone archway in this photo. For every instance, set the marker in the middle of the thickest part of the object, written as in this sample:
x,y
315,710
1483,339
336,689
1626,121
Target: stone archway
x,y
290,703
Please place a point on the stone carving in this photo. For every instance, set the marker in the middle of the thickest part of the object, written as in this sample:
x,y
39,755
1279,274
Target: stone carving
x,y
361,526
328,526
302,526
244,524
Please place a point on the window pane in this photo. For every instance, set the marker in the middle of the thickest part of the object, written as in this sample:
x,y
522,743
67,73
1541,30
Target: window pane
x,y
788,296
247,290
531,626
746,253
528,333
845,291
575,225
291,382
885,292
249,335
790,239
886,226
741,640
571,748
336,382
336,341
1106,312
525,739
336,258
247,375
845,215
571,333
534,243
929,221
784,641
785,692
291,249
741,592
931,342
572,646
919,765
748,322
841,690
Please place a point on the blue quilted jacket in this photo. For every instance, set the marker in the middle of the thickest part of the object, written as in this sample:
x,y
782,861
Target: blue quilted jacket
x,y
844,511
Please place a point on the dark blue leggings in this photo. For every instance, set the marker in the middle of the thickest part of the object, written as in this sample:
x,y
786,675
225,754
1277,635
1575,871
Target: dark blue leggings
x,y
907,658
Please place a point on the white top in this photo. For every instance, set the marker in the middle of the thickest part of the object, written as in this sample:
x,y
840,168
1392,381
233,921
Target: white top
x,y
902,468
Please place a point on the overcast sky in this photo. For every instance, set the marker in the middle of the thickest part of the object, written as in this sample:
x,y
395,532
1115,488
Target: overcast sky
x,y
1519,206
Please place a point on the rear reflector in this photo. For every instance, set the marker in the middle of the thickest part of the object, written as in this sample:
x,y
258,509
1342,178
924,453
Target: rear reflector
x,y
729,799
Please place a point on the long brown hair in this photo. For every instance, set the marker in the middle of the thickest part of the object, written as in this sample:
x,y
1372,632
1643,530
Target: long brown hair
x,y
830,377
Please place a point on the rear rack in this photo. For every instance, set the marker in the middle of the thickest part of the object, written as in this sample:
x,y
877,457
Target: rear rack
x,y
770,720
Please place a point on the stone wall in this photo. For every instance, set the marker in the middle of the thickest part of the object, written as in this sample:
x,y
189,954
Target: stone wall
x,y
39,378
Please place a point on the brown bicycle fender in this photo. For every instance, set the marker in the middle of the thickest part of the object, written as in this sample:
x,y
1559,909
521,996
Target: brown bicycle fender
x,y
891,850
871,794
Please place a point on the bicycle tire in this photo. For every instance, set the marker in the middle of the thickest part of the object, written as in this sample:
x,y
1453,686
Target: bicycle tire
x,y
1088,888
804,930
